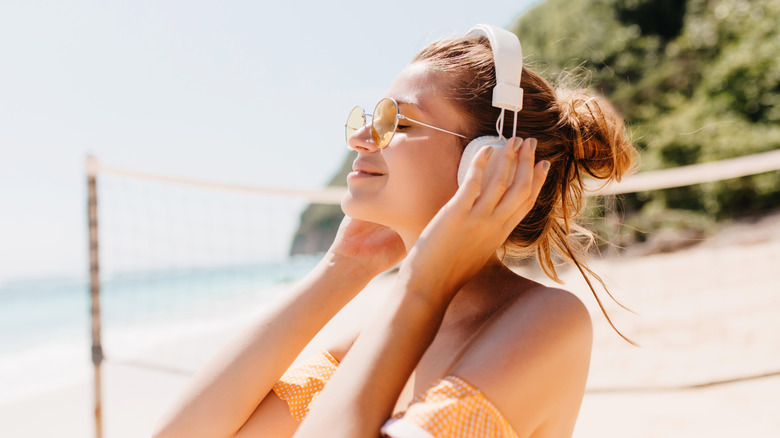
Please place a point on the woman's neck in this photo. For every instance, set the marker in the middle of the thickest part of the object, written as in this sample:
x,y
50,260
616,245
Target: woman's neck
x,y
484,294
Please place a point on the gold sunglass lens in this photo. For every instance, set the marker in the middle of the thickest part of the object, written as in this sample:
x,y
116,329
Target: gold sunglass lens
x,y
355,121
384,121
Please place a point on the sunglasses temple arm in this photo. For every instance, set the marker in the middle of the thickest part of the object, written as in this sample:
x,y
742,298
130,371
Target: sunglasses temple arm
x,y
401,116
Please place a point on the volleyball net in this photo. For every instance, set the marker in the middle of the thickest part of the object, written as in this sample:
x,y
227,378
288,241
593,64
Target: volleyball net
x,y
165,248
171,255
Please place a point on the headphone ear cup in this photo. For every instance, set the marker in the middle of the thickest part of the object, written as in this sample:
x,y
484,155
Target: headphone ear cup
x,y
471,151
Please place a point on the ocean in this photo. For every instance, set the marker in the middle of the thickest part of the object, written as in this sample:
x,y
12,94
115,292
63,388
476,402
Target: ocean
x,y
45,323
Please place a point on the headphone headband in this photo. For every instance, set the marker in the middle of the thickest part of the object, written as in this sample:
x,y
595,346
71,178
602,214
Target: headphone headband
x,y
507,94
508,61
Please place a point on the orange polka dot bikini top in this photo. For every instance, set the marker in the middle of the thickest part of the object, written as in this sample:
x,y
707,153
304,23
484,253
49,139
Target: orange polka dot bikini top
x,y
451,407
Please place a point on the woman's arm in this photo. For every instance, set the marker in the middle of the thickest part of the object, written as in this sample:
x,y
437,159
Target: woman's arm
x,y
273,417
227,391
362,393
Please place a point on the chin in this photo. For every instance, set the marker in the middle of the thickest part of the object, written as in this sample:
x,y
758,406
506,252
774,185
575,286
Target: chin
x,y
357,208
371,209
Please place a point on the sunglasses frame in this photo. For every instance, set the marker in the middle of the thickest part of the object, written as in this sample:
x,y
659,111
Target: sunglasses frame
x,y
398,116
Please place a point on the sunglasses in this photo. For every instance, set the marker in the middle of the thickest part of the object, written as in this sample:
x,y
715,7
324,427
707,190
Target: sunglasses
x,y
384,122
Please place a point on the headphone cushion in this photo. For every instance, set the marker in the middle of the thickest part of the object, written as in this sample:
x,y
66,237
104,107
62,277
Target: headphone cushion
x,y
471,151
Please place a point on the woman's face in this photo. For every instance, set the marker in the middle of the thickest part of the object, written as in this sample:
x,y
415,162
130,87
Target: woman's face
x,y
403,185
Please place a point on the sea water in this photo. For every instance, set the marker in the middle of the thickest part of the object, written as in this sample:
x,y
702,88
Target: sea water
x,y
45,326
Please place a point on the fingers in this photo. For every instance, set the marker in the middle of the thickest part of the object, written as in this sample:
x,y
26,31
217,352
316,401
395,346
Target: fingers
x,y
472,183
524,202
526,185
499,175
504,182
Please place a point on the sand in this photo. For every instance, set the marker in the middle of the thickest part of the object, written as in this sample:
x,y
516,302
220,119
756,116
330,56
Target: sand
x,y
708,365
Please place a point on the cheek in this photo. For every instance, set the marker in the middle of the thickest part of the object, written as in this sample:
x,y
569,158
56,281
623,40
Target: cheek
x,y
419,183
430,181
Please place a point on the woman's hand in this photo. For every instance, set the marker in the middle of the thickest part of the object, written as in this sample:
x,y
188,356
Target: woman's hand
x,y
371,247
500,188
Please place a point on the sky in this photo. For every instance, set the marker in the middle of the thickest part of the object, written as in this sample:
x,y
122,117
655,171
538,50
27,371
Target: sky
x,y
245,92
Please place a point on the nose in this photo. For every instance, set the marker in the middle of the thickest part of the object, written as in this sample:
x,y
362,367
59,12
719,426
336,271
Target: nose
x,y
361,140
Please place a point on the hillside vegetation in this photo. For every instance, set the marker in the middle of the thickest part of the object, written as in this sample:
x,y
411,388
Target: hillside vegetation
x,y
697,80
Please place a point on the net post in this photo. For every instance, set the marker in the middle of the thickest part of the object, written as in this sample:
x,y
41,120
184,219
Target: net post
x,y
94,290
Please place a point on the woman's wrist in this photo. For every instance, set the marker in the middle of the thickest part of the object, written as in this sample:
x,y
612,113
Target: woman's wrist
x,y
427,286
353,269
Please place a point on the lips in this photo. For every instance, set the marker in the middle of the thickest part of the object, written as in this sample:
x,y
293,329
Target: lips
x,y
364,167
363,172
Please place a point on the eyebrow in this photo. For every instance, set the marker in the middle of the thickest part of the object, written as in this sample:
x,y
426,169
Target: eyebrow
x,y
412,102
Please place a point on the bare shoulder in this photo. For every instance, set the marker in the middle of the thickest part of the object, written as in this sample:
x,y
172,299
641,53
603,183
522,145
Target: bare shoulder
x,y
541,321
531,360
559,311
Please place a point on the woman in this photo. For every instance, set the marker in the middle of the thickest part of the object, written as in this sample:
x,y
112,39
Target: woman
x,y
463,346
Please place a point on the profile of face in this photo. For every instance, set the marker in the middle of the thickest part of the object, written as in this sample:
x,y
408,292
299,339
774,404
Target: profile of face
x,y
403,185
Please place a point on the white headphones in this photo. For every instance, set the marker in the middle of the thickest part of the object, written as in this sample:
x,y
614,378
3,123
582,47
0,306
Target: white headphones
x,y
507,94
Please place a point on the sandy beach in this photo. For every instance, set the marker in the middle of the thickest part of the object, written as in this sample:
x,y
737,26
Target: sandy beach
x,y
708,324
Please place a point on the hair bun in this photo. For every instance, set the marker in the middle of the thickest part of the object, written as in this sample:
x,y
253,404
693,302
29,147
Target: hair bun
x,y
596,133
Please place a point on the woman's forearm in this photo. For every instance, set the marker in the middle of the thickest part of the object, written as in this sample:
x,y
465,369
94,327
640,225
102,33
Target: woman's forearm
x,y
362,393
224,393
